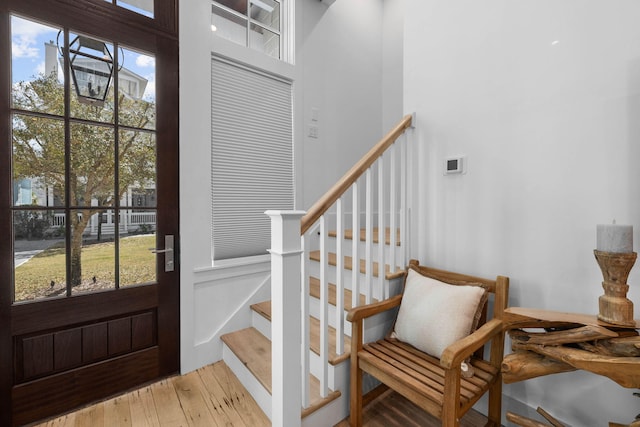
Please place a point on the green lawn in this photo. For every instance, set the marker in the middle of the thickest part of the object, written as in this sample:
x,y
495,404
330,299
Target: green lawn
x,y
34,278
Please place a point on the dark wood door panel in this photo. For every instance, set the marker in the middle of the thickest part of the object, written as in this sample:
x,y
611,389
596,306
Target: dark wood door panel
x,y
61,353
57,313
59,393
56,351
67,350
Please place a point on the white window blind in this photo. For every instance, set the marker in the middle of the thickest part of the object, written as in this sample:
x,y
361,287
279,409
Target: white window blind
x,y
251,157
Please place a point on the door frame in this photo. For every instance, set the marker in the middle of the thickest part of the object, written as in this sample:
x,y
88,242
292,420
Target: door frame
x,y
160,36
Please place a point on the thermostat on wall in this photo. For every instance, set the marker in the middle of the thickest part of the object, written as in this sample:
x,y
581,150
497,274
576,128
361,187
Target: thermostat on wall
x,y
453,165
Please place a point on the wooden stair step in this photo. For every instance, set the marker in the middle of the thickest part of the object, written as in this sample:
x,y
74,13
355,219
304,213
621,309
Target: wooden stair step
x,y
315,256
264,309
348,235
314,291
254,351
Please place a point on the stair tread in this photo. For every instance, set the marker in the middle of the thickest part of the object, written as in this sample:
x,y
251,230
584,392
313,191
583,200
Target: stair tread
x,y
254,351
348,235
315,256
314,291
264,309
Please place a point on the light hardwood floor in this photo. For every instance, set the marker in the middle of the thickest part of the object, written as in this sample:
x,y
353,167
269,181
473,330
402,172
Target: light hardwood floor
x,y
212,396
392,410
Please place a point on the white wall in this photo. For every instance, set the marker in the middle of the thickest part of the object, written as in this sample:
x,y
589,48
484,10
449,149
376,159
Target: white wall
x,y
338,71
212,299
392,63
543,97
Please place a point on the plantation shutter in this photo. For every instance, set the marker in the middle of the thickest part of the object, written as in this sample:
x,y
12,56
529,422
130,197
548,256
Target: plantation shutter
x,y
251,157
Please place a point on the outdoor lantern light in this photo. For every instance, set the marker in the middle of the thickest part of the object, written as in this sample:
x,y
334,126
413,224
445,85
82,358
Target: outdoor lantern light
x,y
91,69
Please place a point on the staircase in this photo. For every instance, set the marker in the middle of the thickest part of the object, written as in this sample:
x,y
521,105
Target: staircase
x,y
327,249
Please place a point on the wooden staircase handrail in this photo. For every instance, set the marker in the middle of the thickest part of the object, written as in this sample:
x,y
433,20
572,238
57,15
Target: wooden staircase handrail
x,y
330,197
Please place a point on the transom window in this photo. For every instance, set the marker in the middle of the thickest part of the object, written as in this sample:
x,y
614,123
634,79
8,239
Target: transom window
x,y
143,7
257,24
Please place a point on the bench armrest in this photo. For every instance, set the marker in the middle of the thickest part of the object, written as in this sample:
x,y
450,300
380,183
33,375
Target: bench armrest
x,y
460,350
364,311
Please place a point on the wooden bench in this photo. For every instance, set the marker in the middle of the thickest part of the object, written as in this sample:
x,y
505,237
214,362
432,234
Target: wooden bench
x,y
436,385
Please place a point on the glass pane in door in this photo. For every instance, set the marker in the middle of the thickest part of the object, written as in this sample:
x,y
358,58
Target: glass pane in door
x,y
137,262
136,89
92,165
39,254
137,173
36,71
38,161
92,250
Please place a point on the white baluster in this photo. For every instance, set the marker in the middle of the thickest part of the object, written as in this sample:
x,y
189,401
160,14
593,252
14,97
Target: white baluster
x,y
393,193
403,201
339,279
355,245
381,230
369,237
324,310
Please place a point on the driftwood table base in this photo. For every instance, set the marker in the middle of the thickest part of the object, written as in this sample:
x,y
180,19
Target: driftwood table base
x,y
521,421
568,342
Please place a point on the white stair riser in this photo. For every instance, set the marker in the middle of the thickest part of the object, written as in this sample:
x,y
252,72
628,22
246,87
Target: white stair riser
x,y
336,373
330,414
347,249
314,271
395,286
314,310
262,324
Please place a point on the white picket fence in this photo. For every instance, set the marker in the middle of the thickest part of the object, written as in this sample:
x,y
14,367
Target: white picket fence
x,y
130,222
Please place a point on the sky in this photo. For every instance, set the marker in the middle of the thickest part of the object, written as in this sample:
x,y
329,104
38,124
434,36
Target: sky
x,y
28,40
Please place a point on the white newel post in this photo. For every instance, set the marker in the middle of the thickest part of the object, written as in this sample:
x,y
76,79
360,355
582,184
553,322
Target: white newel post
x,y
286,330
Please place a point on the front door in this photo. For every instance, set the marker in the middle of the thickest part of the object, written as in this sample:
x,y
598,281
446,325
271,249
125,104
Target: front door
x,y
89,274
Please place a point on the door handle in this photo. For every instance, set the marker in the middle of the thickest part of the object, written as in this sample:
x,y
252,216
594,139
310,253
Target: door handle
x,y
167,251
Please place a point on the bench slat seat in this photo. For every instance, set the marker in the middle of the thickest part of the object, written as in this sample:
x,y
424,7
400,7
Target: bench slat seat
x,y
391,359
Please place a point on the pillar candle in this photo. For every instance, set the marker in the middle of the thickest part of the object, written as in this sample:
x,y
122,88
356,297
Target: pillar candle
x,y
614,238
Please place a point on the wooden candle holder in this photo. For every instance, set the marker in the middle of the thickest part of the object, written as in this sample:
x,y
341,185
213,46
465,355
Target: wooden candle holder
x,y
615,308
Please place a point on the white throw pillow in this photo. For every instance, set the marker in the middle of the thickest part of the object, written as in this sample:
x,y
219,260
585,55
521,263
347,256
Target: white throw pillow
x,y
434,314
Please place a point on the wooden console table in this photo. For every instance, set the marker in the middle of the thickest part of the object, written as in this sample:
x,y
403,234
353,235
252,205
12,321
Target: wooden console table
x,y
569,342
